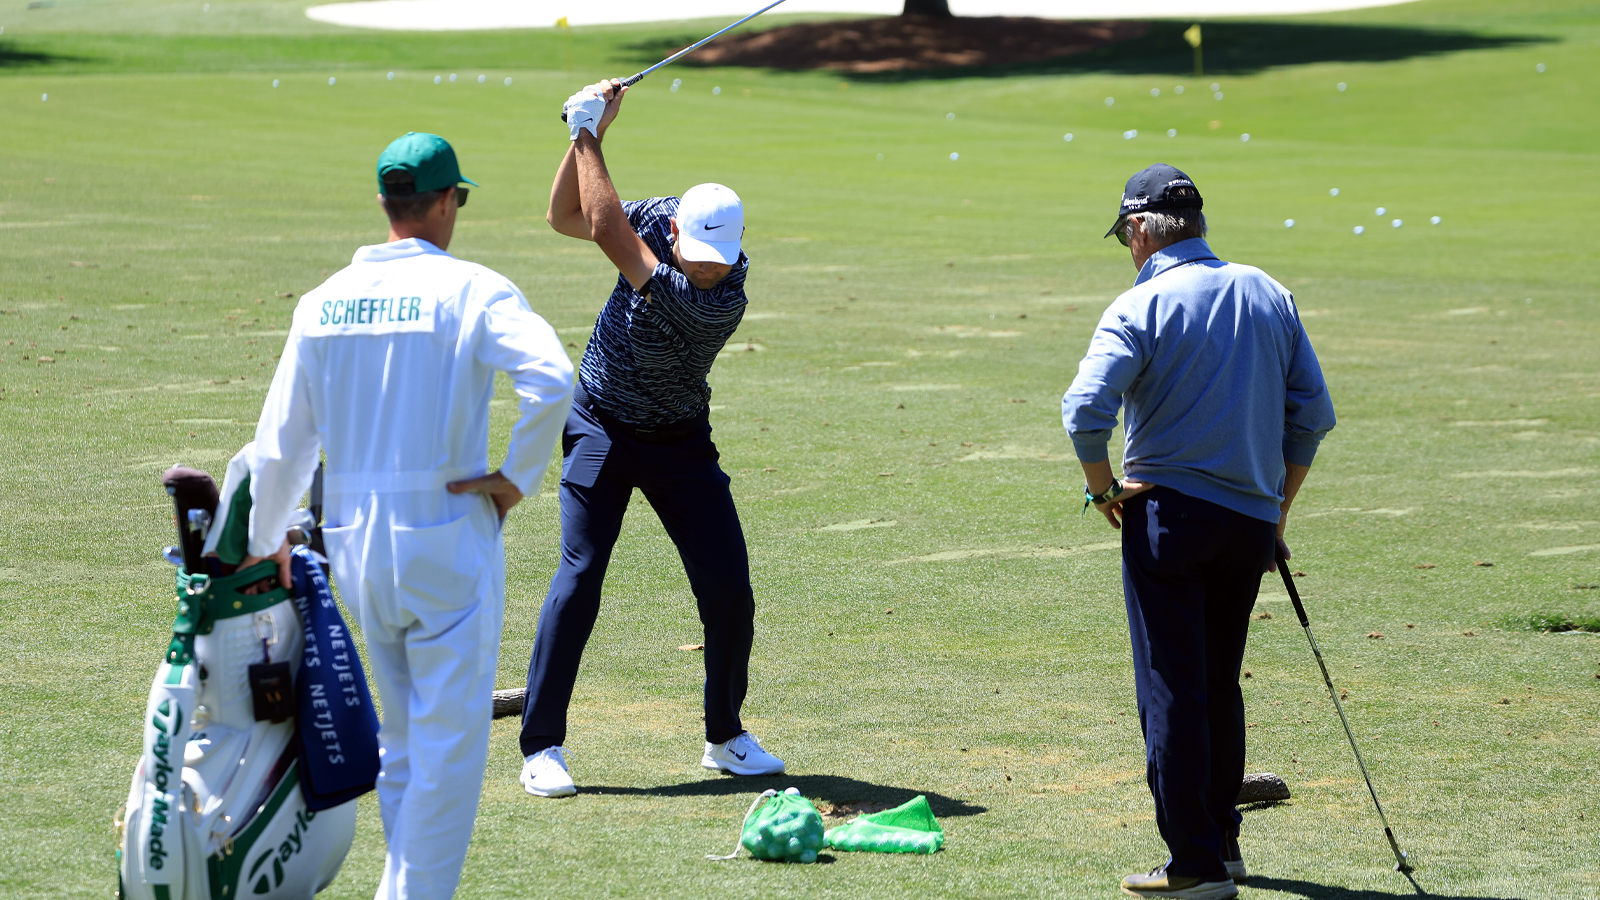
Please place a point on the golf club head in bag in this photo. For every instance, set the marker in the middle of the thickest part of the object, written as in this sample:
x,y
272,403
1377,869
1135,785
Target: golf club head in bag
x,y
217,808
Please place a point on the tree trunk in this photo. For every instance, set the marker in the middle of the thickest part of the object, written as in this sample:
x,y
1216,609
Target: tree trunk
x,y
936,8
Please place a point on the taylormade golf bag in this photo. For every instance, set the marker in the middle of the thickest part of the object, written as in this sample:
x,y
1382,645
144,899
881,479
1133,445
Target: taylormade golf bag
x,y
259,732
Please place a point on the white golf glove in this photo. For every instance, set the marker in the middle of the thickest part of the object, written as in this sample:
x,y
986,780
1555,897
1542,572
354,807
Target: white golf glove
x,y
583,110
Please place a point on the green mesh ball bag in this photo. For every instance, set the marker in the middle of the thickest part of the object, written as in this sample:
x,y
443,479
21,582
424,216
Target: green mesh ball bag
x,y
908,828
786,829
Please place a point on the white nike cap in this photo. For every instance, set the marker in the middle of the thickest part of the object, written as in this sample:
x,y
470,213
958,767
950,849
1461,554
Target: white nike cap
x,y
710,223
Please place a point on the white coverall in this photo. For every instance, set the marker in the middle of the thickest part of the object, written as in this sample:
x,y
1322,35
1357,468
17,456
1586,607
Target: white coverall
x,y
389,369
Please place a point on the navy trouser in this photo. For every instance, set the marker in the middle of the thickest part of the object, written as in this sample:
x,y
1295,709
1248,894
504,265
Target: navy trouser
x,y
689,492
1190,573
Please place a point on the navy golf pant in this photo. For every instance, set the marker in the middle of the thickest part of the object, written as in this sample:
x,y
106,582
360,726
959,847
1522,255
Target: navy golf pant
x,y
1190,573
689,492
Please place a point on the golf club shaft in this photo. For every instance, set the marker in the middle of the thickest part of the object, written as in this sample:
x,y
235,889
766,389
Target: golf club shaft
x,y
639,76
1401,862
634,79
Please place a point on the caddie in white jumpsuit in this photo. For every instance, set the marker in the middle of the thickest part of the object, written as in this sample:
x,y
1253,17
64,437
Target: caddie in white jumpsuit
x,y
388,370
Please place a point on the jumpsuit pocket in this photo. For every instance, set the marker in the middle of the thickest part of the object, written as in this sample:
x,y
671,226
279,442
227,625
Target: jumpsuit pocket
x,y
439,564
345,552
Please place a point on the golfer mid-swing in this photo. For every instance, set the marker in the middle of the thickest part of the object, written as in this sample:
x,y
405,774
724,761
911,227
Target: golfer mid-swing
x,y
640,420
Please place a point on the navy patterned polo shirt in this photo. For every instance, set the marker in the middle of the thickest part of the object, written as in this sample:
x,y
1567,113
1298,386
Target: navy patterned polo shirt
x,y
647,360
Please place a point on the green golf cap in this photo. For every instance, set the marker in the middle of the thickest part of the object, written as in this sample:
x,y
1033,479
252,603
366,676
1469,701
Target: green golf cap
x,y
427,158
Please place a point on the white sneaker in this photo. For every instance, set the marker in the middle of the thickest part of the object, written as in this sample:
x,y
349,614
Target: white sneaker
x,y
742,756
544,774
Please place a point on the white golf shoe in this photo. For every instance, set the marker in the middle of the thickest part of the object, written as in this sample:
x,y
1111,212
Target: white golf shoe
x,y
742,756
545,774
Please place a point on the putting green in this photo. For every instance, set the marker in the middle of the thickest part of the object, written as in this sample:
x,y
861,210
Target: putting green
x,y
934,615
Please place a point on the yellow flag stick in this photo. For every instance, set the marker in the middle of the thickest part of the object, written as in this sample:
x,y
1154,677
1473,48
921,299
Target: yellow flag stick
x,y
1193,37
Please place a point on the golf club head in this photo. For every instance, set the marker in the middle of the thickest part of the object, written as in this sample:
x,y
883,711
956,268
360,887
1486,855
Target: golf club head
x,y
1402,858
194,497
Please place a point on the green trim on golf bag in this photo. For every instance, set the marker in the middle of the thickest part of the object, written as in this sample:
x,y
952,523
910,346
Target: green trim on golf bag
x,y
202,600
215,810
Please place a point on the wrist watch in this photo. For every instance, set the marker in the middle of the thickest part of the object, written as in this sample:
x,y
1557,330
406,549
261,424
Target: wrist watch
x,y
1097,499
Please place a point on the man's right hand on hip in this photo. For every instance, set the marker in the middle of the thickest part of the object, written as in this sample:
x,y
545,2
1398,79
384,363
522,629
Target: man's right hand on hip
x,y
495,486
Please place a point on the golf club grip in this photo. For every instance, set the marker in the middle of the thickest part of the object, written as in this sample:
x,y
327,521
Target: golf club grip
x,y
1288,585
630,81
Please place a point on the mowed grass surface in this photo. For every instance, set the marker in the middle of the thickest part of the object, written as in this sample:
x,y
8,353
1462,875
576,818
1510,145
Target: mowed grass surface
x,y
934,615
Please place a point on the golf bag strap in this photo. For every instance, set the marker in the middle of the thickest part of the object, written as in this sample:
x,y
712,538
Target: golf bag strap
x,y
202,600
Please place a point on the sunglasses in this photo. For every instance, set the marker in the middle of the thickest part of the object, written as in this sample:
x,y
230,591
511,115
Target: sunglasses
x,y
461,200
1122,233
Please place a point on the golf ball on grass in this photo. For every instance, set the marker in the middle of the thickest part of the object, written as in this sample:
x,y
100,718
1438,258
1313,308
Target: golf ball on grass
x,y
1178,89
954,157
1130,134
1397,223
1288,223
1155,92
1217,95
1067,137
437,80
1111,101
482,78
391,76
1360,228
715,91
1172,132
1435,220
949,117
1333,192
44,98
676,83
274,82
332,82
508,81
1342,86
1539,68
1379,211
452,76
1244,138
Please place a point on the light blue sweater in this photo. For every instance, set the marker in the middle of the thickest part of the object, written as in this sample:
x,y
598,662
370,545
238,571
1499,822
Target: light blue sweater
x,y
1218,376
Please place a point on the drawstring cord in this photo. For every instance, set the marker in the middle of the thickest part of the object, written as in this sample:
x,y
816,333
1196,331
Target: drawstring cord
x,y
748,813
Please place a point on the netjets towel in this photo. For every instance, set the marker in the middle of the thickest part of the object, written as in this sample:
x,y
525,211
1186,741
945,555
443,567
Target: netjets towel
x,y
338,726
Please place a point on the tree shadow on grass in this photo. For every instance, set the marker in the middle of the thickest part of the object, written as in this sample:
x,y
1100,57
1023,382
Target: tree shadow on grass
x,y
1231,48
13,58
834,789
1245,48
1314,891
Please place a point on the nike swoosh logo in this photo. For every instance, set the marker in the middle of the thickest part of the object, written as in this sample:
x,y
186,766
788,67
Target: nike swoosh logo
x,y
739,756
710,227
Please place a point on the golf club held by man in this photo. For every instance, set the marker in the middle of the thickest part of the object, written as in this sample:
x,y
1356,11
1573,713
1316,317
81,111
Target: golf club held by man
x,y
1224,406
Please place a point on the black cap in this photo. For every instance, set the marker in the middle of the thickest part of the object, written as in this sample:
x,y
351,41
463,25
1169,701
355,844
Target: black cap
x,y
1159,187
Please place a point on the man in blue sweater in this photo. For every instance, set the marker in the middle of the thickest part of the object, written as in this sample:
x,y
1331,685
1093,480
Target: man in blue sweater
x,y
1225,406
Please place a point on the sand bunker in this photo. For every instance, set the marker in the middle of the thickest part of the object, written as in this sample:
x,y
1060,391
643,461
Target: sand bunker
x,y
477,15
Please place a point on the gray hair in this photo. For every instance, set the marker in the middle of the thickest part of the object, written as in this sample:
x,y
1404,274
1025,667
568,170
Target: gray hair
x,y
1169,226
